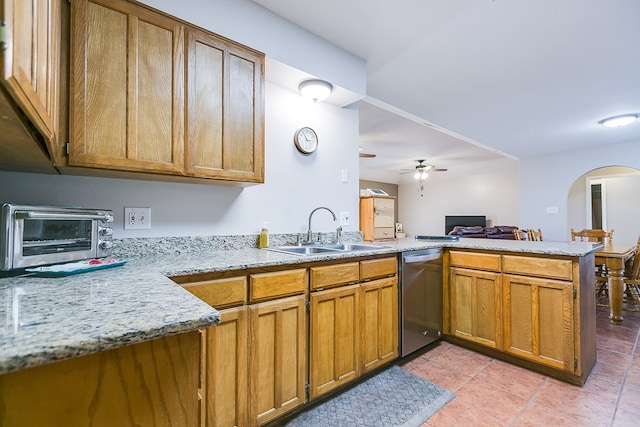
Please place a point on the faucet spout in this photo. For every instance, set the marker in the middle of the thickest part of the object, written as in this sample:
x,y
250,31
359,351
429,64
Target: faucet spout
x,y
309,233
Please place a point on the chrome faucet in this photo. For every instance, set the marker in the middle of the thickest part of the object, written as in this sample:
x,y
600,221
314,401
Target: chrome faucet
x,y
309,233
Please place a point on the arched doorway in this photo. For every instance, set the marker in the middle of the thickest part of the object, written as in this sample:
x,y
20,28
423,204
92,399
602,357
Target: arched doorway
x,y
606,198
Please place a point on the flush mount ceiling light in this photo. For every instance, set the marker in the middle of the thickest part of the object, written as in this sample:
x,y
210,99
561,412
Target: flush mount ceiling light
x,y
315,89
618,121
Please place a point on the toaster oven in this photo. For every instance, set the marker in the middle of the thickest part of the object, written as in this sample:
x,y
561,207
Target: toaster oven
x,y
32,235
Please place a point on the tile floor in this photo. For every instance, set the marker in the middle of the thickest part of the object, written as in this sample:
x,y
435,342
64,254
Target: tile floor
x,y
490,392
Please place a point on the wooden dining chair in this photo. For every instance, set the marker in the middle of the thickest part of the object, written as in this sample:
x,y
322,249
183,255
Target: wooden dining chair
x,y
593,235
534,235
602,276
520,234
631,296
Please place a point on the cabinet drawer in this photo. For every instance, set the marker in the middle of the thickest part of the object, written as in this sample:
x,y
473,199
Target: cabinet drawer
x,y
328,276
542,267
383,233
220,293
371,269
476,261
277,284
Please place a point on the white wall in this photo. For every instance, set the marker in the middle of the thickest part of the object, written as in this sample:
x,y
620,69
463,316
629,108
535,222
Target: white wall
x,y
294,183
254,26
546,182
621,205
493,194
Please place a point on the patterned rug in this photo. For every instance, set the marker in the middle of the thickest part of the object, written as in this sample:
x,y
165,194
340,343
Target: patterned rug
x,y
394,397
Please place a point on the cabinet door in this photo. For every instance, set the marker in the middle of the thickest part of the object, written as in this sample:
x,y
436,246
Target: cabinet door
x,y
225,137
153,383
476,306
127,84
538,320
384,213
334,352
379,322
277,343
30,59
226,370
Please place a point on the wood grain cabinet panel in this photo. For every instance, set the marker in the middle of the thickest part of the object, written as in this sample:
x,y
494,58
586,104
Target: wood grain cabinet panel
x,y
480,261
154,383
278,358
277,284
154,94
379,322
226,358
30,60
476,306
375,268
328,276
127,78
220,293
538,318
561,269
335,347
225,136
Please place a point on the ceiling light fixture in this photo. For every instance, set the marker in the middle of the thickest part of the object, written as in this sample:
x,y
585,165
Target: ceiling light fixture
x,y
421,174
315,89
618,121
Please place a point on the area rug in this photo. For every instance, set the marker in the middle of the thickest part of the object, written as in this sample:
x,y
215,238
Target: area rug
x,y
394,397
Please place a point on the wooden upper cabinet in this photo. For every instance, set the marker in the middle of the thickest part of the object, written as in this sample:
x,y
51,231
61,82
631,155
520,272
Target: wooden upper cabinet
x,y
127,80
151,93
225,136
30,59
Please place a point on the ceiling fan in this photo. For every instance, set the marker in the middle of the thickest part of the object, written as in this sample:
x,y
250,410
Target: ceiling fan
x,y
365,155
421,170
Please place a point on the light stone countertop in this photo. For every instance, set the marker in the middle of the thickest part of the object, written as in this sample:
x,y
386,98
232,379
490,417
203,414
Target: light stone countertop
x,y
43,320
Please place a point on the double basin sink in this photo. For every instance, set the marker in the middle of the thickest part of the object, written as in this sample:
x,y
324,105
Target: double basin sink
x,y
325,248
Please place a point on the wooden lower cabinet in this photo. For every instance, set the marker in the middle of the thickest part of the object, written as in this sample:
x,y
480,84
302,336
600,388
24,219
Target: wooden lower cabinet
x,y
353,328
538,319
379,325
278,358
536,310
334,351
154,383
476,306
225,388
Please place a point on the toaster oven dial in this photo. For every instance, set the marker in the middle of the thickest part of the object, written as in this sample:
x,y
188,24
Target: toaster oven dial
x,y
106,244
106,231
108,218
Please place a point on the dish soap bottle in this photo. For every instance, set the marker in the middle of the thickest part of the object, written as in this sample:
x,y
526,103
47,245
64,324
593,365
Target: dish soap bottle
x,y
263,241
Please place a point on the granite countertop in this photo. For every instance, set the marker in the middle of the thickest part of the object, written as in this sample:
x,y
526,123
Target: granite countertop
x,y
49,319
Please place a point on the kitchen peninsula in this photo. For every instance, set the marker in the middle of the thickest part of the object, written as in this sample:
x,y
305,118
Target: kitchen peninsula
x,y
97,333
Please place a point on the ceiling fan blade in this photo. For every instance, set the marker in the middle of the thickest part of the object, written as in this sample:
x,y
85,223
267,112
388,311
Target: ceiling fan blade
x,y
367,155
438,170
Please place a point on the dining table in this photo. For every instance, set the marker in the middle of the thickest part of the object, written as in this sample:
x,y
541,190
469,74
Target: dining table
x,y
615,256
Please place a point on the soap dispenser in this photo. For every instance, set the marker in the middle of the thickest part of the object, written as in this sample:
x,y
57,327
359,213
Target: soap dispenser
x,y
263,241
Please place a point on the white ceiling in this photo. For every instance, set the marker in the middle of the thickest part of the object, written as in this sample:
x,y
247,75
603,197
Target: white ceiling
x,y
522,78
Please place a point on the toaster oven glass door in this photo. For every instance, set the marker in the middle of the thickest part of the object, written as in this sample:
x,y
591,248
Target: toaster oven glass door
x,y
55,236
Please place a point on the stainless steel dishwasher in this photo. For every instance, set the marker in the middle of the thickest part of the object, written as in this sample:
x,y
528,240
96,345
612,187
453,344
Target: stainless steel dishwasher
x,y
420,299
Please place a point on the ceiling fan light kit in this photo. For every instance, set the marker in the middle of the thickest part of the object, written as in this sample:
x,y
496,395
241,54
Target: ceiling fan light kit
x,y
315,89
618,121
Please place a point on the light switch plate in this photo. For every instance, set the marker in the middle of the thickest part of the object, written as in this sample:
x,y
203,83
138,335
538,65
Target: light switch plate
x,y
137,218
344,218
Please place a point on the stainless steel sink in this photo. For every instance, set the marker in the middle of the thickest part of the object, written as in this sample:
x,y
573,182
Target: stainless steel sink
x,y
321,249
354,247
303,250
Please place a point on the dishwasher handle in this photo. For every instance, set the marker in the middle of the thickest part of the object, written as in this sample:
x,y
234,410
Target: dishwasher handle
x,y
410,259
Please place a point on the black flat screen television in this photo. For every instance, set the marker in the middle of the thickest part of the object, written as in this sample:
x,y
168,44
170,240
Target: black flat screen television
x,y
465,220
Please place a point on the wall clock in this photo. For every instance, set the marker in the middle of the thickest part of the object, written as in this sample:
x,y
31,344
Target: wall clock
x,y
306,140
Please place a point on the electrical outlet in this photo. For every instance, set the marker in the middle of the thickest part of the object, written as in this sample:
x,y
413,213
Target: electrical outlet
x,y
344,218
137,218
